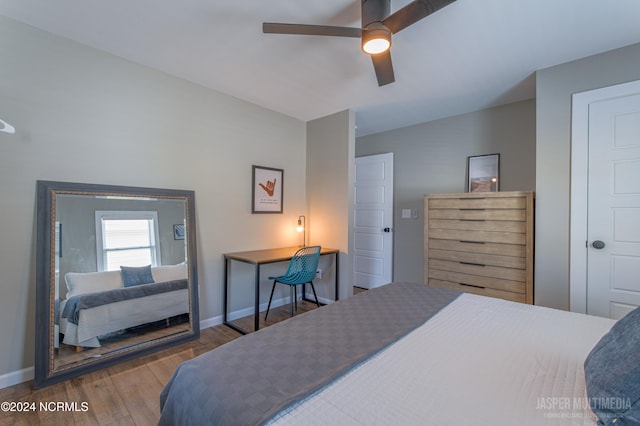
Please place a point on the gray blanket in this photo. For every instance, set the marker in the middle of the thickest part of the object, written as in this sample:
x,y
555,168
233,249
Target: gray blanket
x,y
249,380
75,304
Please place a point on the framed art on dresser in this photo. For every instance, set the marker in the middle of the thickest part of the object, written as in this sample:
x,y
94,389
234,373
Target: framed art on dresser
x,y
483,173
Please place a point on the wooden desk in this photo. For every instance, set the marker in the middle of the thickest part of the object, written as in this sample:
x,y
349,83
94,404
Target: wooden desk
x,y
262,257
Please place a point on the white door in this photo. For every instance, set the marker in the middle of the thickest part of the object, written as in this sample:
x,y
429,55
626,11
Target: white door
x,y
613,275
613,232
373,221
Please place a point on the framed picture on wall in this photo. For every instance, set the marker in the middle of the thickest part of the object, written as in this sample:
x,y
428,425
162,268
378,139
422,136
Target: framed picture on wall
x,y
483,173
266,190
178,231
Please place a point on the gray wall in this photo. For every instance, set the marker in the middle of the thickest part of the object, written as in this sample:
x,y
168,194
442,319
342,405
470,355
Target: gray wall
x,y
432,158
330,165
554,87
82,115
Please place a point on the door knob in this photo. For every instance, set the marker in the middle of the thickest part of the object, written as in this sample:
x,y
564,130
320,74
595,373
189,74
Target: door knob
x,y
387,229
597,244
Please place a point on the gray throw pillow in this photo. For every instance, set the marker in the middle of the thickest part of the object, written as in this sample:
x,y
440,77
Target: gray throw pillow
x,y
612,373
136,275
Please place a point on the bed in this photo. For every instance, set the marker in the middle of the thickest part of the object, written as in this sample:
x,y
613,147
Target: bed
x,y
98,303
407,353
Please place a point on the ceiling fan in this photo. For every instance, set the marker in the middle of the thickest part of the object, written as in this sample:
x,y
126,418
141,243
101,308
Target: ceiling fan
x,y
377,27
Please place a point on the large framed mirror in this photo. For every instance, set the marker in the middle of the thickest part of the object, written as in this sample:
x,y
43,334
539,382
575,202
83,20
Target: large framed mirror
x,y
116,275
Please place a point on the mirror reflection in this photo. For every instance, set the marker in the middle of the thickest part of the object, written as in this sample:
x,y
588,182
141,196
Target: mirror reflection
x,y
117,277
110,252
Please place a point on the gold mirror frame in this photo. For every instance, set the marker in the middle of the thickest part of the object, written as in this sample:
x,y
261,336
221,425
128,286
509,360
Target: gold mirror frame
x,y
46,373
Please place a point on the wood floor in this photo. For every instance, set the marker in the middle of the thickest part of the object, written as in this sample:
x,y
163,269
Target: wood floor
x,y
125,394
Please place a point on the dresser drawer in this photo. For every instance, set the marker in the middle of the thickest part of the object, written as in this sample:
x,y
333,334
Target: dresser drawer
x,y
479,214
475,258
478,236
479,225
467,203
478,269
478,247
489,292
477,280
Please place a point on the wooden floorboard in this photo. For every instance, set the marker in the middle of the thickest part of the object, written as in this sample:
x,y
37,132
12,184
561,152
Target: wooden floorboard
x,y
127,393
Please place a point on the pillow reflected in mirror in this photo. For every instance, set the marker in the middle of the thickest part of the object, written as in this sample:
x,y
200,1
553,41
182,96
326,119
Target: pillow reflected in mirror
x,y
136,275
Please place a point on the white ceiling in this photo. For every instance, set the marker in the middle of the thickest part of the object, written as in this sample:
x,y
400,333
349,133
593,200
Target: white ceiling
x,y
471,55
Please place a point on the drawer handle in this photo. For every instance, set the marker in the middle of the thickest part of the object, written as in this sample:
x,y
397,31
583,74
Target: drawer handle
x,y
476,210
472,220
471,242
473,264
474,286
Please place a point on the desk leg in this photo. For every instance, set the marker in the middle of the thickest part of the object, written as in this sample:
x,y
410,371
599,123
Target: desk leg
x,y
226,290
256,319
337,279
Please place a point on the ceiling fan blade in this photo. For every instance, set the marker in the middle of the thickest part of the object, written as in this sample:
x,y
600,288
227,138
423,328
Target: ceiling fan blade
x,y
323,30
412,13
383,67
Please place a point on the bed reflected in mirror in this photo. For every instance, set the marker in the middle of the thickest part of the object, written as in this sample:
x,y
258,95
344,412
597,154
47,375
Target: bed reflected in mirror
x,y
116,275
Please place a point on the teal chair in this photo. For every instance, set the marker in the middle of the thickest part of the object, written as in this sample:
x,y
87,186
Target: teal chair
x,y
302,270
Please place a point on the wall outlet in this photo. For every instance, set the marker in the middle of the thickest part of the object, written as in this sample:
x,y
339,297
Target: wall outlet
x,y
319,274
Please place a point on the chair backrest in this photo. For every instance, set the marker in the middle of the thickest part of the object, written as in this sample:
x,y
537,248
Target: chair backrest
x,y
303,265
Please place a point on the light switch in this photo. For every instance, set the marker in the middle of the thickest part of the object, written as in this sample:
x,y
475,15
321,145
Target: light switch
x,y
406,213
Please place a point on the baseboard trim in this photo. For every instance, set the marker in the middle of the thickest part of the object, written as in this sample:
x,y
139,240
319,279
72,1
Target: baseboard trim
x,y
211,322
16,377
322,300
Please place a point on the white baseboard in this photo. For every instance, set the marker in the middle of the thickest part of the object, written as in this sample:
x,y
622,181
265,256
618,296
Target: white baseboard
x,y
26,374
16,377
322,300
211,322
276,303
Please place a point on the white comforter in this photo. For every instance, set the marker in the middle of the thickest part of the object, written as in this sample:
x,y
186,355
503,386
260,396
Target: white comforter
x,y
480,361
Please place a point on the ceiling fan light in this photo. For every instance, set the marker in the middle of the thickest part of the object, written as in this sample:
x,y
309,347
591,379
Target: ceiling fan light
x,y
375,46
376,41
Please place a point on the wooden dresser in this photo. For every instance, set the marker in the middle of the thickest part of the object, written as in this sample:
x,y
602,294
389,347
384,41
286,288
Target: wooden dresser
x,y
480,243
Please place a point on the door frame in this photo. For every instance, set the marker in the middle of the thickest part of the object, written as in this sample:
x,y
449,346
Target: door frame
x,y
578,219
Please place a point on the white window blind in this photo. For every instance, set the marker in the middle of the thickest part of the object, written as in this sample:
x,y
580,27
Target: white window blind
x,y
126,239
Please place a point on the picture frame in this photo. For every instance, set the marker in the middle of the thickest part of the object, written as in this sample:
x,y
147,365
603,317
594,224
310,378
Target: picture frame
x,y
483,173
266,189
178,231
